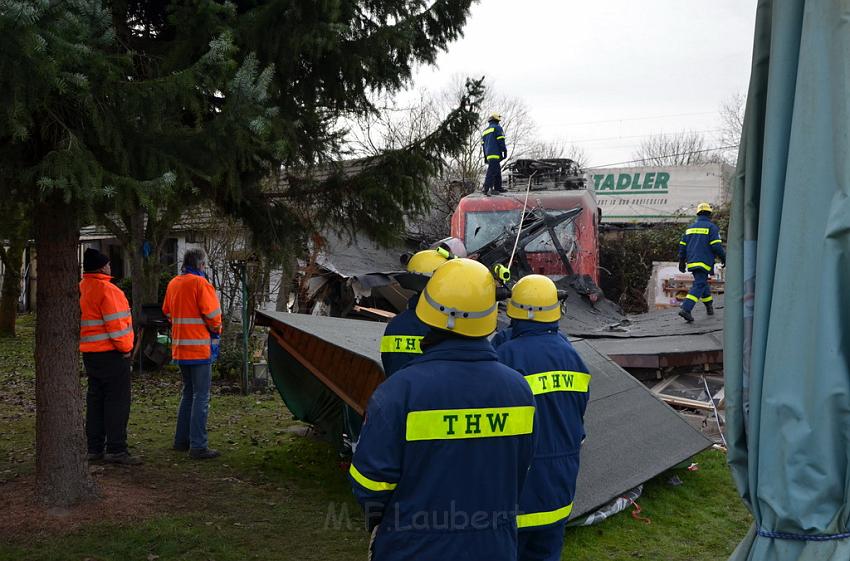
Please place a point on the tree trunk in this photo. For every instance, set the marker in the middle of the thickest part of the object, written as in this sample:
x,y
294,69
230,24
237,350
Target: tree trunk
x,y
62,477
151,273
134,247
11,286
145,274
146,270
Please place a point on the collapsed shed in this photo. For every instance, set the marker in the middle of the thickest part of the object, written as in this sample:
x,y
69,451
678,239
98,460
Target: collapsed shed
x,y
325,369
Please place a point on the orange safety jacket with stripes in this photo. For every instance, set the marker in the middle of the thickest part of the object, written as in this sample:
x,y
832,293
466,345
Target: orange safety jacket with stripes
x,y
195,313
105,323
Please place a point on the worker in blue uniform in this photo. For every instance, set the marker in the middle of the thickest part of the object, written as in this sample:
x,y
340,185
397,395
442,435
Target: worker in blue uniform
x,y
698,248
560,383
448,439
403,335
495,150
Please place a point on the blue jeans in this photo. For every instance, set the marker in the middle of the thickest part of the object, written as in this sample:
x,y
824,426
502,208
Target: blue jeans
x,y
194,406
699,292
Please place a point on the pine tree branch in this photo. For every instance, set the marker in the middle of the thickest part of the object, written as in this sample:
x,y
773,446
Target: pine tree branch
x,y
115,229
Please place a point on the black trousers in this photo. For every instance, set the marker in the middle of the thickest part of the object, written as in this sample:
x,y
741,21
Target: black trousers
x,y
107,401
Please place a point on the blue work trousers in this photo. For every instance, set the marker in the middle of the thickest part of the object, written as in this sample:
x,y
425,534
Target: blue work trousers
x,y
700,291
541,544
493,179
194,407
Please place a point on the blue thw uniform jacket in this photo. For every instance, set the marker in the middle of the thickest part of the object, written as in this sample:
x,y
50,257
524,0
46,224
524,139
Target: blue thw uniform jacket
x,y
560,383
493,141
700,244
502,335
443,456
402,338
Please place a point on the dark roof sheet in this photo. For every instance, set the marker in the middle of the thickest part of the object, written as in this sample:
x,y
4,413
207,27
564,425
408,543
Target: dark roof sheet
x,y
632,435
360,256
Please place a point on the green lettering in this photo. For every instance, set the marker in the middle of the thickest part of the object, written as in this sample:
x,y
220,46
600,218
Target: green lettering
x,y
556,381
568,380
623,181
609,182
473,420
411,344
661,180
498,421
636,182
648,179
450,419
398,343
597,179
543,380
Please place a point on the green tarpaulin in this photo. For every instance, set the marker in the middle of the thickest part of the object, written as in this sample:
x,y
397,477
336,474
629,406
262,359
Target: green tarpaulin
x,y
787,348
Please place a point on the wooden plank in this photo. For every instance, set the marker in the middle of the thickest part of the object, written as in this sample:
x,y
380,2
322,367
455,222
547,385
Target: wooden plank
x,y
374,312
659,387
361,381
685,402
289,348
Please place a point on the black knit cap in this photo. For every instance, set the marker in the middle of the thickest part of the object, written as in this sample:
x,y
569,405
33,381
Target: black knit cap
x,y
93,260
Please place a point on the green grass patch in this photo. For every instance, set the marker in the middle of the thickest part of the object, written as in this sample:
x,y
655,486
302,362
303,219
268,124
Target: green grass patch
x,y
278,495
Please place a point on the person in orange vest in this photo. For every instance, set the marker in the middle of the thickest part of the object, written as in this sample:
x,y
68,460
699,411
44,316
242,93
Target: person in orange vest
x,y
192,307
106,339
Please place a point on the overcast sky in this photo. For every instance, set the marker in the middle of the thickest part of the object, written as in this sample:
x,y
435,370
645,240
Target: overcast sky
x,y
606,73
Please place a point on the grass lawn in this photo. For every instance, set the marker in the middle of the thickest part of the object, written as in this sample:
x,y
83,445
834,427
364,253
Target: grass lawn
x,y
276,494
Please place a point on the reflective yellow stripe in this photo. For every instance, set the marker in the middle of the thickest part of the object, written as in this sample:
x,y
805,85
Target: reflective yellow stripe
x,y
401,344
682,243
692,297
715,241
558,381
696,231
488,131
700,264
450,424
493,157
370,484
543,518
709,299
500,138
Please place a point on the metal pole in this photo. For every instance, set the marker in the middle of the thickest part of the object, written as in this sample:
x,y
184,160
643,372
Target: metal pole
x,y
244,329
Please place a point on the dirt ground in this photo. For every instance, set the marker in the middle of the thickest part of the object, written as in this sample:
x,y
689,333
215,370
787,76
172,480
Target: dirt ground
x,y
127,495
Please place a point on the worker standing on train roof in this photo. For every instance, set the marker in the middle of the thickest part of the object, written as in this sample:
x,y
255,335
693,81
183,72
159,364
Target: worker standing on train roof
x,y
698,248
403,334
560,382
448,439
495,150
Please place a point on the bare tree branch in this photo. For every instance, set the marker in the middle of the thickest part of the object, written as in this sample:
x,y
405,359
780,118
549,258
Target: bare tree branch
x,y
731,124
680,149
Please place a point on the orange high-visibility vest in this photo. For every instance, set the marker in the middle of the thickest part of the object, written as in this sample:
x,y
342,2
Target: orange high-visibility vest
x,y
194,311
105,322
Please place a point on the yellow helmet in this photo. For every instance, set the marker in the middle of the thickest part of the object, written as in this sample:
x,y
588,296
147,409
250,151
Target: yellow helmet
x,y
495,116
704,207
426,262
534,298
460,297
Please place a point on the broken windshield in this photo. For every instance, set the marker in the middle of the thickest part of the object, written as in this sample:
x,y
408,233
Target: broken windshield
x,y
484,227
